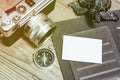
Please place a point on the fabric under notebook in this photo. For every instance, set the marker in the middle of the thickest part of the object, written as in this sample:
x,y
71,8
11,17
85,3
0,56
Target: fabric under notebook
x,y
109,69
67,27
76,25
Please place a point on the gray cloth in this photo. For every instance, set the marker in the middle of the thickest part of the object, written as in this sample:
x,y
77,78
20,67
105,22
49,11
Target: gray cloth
x,y
73,26
109,69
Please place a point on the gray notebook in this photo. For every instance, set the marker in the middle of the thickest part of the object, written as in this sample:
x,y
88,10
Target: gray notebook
x,y
76,25
109,69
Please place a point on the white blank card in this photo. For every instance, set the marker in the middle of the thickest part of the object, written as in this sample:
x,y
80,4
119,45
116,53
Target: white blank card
x,y
82,49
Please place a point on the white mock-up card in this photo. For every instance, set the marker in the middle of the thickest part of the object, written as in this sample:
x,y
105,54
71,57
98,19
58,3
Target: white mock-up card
x,y
82,49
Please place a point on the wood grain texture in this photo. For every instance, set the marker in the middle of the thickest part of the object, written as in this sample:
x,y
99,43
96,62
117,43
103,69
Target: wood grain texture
x,y
16,61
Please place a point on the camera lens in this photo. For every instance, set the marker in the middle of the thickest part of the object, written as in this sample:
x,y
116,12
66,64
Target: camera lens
x,y
39,28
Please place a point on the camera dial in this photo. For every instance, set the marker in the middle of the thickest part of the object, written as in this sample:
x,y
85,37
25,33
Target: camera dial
x,y
5,20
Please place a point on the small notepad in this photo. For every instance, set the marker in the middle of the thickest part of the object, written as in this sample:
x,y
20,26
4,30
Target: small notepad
x,y
82,49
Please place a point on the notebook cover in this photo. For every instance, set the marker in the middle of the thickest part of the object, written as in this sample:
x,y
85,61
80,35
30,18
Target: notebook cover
x,y
76,25
110,67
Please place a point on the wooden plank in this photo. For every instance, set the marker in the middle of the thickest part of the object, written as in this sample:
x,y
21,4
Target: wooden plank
x,y
61,13
18,59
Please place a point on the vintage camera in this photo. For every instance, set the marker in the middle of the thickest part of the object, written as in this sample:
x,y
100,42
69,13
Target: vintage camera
x,y
26,17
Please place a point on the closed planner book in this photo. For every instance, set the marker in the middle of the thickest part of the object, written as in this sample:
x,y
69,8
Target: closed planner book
x,y
75,26
110,67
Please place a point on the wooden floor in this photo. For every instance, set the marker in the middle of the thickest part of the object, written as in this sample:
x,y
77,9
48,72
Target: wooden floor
x,y
16,61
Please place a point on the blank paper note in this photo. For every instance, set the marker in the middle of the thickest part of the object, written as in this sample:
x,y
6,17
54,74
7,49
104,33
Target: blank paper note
x,y
82,49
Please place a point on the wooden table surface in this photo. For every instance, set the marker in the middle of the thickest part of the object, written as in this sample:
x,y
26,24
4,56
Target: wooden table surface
x,y
16,61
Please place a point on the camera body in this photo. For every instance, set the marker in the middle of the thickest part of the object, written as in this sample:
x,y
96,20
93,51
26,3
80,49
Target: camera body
x,y
13,20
